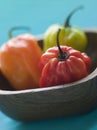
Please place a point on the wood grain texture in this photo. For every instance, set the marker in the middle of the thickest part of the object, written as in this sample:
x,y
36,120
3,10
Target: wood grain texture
x,y
64,100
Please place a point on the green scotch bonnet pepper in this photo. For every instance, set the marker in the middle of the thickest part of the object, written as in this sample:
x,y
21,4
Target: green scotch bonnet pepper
x,y
69,35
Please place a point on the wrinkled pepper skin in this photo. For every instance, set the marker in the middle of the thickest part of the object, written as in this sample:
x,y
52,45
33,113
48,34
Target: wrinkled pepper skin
x,y
56,72
19,59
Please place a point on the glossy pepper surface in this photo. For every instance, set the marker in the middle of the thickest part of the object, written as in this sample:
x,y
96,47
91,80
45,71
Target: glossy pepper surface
x,y
19,59
69,35
63,65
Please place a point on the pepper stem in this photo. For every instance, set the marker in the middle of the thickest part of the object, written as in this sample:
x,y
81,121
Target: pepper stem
x,y
10,33
62,55
67,23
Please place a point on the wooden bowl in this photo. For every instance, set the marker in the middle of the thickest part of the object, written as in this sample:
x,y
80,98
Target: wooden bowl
x,y
64,100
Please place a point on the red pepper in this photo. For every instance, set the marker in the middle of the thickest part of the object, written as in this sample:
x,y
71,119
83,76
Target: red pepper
x,y
62,64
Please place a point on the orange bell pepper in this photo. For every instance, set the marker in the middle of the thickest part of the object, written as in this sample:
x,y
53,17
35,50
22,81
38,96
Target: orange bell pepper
x,y
19,59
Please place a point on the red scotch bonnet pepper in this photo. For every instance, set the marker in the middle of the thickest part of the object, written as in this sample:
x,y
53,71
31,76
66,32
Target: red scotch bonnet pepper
x,y
62,64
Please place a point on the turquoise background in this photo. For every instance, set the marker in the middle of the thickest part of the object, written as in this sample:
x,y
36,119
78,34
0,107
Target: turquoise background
x,y
38,15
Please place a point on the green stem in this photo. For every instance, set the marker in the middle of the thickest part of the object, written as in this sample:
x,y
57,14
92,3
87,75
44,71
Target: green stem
x,y
67,23
62,55
10,33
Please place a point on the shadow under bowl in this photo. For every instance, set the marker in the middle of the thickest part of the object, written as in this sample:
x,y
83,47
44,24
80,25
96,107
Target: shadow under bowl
x,y
64,100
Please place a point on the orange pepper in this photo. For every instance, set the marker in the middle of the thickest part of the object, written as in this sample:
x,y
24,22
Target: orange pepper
x,y
19,59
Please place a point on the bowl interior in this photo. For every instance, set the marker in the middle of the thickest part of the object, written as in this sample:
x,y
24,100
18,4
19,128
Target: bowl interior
x,y
91,50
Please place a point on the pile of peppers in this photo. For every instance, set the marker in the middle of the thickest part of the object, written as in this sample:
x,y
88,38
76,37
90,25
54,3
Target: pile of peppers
x,y
26,66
